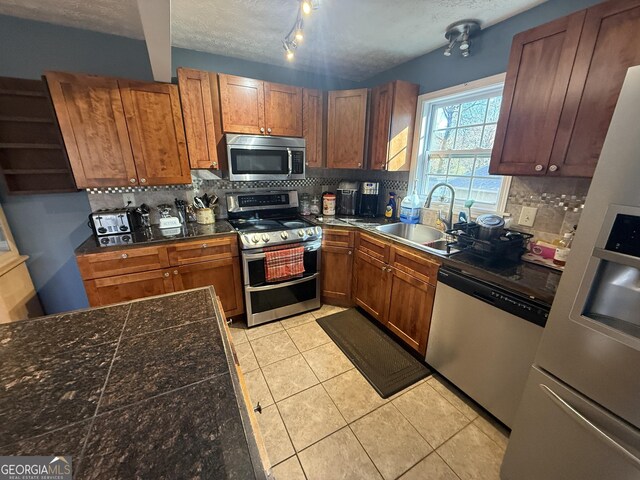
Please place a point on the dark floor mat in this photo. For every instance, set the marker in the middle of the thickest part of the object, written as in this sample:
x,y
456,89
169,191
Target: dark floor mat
x,y
384,363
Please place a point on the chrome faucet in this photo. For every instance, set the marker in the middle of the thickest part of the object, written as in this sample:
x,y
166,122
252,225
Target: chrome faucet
x,y
448,221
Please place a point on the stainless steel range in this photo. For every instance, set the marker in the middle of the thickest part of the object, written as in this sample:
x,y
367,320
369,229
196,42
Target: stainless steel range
x,y
268,222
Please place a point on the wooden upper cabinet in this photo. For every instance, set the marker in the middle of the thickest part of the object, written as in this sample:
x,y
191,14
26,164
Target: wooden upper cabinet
x,y
346,125
607,49
201,111
242,101
93,125
156,131
535,88
313,126
283,110
393,114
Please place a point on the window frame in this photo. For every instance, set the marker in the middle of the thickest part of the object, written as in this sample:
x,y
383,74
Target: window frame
x,y
431,100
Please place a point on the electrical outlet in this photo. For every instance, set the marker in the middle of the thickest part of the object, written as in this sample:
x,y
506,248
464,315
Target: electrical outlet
x,y
528,216
129,197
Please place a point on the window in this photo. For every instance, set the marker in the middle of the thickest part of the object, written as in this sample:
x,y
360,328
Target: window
x,y
457,129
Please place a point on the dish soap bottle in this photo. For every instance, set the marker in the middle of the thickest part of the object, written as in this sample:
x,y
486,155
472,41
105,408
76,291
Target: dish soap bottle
x,y
390,210
410,208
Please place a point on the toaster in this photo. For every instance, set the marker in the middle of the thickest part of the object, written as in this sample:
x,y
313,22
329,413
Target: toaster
x,y
111,221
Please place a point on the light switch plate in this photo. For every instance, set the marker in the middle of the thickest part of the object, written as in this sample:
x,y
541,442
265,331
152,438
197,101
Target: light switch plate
x,y
528,216
129,197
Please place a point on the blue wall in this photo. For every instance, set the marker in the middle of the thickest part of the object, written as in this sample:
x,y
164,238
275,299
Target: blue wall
x,y
489,51
49,227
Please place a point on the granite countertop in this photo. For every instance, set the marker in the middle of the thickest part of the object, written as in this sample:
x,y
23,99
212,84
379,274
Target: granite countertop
x,y
535,281
146,389
155,235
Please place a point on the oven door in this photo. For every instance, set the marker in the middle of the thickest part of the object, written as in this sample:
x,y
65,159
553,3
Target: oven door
x,y
270,301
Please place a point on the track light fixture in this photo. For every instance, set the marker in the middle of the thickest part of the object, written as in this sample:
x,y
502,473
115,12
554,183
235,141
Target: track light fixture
x,y
296,35
460,32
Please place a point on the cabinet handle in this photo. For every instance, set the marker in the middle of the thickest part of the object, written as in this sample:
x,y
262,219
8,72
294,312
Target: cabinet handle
x,y
261,129
553,168
538,168
384,268
359,164
389,269
143,180
166,274
204,245
175,272
124,255
132,180
350,252
214,165
268,130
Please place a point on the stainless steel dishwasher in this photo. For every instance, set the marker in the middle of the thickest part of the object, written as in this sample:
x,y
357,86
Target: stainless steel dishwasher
x,y
483,339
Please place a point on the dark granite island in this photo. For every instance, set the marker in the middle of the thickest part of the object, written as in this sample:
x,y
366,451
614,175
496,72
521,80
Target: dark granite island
x,y
147,389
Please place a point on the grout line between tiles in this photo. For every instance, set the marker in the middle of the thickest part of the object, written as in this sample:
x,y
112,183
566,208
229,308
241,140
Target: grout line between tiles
x,y
104,386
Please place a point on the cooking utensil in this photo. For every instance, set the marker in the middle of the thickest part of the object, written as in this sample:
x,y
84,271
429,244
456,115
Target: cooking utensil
x,y
491,226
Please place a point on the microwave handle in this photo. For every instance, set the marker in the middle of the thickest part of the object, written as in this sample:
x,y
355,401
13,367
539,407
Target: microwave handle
x,y
290,160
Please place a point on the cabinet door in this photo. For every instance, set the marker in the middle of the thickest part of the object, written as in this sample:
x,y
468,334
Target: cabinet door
x,y
379,125
242,101
223,275
337,275
371,285
373,246
156,130
534,92
200,118
346,128
123,288
283,109
313,126
403,119
605,53
120,262
94,129
221,248
410,306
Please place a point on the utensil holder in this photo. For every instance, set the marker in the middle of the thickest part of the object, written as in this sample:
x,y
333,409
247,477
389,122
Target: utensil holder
x,y
205,216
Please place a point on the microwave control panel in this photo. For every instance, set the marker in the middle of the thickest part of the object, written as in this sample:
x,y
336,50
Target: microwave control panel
x,y
297,162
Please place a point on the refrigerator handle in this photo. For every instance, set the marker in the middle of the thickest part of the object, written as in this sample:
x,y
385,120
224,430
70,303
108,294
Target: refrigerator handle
x,y
582,420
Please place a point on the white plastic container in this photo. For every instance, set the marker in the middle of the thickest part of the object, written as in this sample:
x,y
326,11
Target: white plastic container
x,y
410,209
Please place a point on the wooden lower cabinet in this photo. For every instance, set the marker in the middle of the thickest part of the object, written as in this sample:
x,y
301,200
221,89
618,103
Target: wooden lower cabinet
x,y
337,276
224,275
410,305
123,288
371,285
128,274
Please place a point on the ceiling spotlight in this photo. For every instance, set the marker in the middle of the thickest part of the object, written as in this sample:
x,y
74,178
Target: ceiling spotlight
x,y
298,33
460,32
306,7
288,51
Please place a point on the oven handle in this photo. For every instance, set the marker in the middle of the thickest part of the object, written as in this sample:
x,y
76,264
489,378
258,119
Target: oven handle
x,y
290,160
283,284
258,256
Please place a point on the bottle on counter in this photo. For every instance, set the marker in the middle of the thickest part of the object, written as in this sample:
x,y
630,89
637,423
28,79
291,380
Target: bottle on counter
x,y
315,205
563,249
305,204
390,209
410,208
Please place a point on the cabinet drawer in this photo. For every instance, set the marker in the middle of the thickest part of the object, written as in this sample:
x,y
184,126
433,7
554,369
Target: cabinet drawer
x,y
414,264
108,264
374,247
203,250
332,237
123,288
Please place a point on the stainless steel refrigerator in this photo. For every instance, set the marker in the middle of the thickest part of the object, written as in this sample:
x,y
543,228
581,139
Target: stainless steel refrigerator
x,y
579,418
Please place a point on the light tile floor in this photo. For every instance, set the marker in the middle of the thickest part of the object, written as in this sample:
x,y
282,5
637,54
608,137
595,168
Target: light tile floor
x,y
322,420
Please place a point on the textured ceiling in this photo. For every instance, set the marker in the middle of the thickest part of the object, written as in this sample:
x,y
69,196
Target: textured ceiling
x,y
352,39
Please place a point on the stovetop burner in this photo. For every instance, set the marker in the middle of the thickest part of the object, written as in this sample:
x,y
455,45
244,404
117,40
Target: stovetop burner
x,y
266,225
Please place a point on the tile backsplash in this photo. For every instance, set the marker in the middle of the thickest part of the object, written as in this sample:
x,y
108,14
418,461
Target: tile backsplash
x,y
317,181
559,202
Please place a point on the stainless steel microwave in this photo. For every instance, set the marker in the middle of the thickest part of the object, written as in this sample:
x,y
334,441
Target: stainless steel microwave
x,y
255,157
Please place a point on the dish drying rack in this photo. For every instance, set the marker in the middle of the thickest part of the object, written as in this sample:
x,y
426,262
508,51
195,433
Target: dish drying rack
x,y
464,236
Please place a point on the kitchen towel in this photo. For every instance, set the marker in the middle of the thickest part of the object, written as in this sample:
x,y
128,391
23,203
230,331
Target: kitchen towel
x,y
284,264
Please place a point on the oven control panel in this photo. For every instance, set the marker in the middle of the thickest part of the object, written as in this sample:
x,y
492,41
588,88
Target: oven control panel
x,y
260,240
